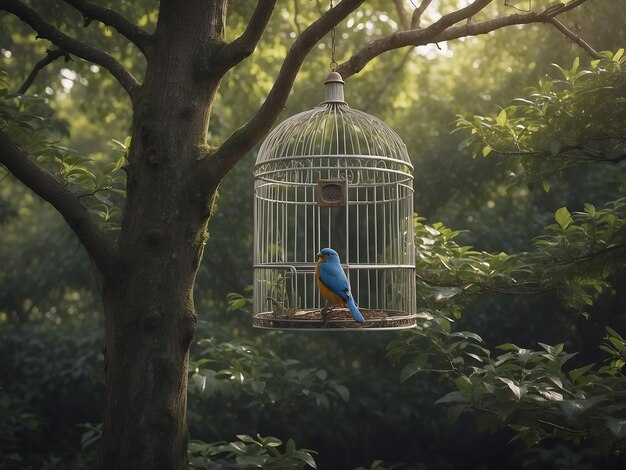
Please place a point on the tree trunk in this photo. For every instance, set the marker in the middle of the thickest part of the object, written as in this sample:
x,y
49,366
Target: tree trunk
x,y
149,309
150,317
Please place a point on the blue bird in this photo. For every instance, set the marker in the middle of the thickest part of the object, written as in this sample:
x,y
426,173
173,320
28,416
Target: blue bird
x,y
333,283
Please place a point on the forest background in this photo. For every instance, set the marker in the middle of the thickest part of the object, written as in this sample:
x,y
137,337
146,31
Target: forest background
x,y
356,400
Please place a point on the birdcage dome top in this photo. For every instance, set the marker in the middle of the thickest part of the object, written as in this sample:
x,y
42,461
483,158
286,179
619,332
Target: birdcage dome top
x,y
334,129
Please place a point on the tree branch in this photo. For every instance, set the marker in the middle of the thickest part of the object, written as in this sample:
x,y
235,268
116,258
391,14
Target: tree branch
x,y
403,18
85,51
51,56
443,30
242,140
563,7
418,12
47,187
296,14
575,38
408,38
245,44
131,31
392,74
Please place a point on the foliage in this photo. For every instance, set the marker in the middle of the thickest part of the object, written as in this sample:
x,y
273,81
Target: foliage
x,y
528,390
249,452
575,258
16,421
57,375
32,124
565,122
56,371
533,392
236,367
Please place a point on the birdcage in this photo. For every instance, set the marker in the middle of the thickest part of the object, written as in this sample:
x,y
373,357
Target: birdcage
x,y
341,178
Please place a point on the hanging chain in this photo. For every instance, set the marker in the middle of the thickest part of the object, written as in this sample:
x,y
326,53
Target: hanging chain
x,y
333,62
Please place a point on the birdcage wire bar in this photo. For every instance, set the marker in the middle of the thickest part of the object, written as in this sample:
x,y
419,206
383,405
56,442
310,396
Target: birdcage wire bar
x,y
372,231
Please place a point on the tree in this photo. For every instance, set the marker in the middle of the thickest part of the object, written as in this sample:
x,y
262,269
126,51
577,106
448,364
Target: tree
x,y
146,273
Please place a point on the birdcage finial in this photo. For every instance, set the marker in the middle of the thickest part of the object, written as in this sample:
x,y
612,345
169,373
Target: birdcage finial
x,y
334,88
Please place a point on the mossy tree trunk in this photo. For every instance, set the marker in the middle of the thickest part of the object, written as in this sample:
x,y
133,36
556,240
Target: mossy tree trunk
x,y
150,316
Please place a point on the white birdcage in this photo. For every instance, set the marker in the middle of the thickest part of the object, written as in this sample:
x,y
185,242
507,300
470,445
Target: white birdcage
x,y
341,178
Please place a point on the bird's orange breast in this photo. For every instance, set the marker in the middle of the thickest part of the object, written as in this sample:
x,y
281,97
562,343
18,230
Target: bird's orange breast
x,y
326,292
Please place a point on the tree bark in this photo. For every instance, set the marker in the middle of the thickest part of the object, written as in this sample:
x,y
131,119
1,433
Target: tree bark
x,y
150,316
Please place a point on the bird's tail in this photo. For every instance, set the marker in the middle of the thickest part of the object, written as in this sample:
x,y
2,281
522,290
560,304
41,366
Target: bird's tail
x,y
354,310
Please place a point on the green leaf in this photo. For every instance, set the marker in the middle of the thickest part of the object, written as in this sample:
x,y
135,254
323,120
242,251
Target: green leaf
x,y
463,383
305,457
614,333
563,217
409,371
453,397
343,392
103,199
575,65
617,344
607,349
551,395
247,439
508,347
269,441
290,447
517,391
199,381
486,150
502,118
466,335
575,374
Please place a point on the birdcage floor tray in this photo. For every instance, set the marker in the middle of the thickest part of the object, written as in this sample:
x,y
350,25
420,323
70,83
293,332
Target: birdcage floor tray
x,y
339,319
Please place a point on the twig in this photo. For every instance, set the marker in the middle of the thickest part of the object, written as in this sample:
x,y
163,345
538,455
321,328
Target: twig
x,y
51,56
418,12
402,14
575,38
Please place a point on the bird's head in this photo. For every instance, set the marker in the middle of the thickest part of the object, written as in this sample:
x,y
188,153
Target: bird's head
x,y
327,254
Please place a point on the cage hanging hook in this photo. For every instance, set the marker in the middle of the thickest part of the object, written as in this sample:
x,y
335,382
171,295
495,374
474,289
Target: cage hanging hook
x,y
333,62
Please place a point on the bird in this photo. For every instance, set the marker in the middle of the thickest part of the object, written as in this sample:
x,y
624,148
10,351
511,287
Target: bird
x,y
333,283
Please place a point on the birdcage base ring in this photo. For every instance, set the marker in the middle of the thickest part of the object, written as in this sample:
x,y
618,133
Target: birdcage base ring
x,y
338,319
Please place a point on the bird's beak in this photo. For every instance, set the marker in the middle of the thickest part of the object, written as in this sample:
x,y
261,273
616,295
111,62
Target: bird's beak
x,y
320,257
